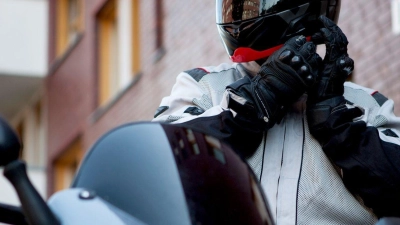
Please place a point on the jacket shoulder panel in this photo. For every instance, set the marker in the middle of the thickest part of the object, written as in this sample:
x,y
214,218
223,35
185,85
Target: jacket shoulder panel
x,y
220,68
197,73
364,92
200,72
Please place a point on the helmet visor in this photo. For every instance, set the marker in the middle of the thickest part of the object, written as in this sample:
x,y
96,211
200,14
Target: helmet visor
x,y
230,11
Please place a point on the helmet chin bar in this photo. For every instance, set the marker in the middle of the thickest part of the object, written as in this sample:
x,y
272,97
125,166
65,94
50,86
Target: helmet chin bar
x,y
245,54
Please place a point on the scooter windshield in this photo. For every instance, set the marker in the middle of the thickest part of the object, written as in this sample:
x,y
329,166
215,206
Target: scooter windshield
x,y
165,174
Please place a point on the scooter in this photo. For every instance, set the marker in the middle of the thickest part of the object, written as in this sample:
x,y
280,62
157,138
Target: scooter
x,y
142,173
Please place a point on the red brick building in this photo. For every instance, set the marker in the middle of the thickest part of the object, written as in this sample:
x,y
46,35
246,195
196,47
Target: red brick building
x,y
111,62
166,37
372,28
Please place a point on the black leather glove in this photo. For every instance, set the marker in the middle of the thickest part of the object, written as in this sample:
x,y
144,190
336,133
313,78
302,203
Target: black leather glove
x,y
282,79
336,64
326,96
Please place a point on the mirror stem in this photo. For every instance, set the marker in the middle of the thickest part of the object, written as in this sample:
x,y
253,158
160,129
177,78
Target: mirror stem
x,y
35,208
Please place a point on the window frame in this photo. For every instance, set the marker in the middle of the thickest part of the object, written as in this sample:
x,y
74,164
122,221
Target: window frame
x,y
125,61
66,165
65,38
395,11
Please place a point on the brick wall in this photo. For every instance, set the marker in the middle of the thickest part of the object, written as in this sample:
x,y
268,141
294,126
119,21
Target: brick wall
x,y
191,40
373,46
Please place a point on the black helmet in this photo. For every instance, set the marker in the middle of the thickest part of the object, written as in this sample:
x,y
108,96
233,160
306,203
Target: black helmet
x,y
254,29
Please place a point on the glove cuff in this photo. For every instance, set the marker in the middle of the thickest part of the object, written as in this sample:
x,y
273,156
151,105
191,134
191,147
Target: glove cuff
x,y
253,99
319,112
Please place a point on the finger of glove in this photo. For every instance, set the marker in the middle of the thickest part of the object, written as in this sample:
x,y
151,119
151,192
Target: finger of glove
x,y
335,40
332,49
307,50
313,61
345,65
317,38
326,22
303,55
310,76
331,26
286,52
295,42
289,52
296,62
316,61
288,57
306,75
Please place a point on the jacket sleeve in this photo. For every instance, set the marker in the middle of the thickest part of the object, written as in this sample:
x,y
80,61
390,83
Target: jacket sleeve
x,y
199,106
368,152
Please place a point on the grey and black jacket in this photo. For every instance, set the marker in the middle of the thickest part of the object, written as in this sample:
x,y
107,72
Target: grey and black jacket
x,y
302,183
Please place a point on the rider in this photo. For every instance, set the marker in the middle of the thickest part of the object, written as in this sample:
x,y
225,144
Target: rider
x,y
325,151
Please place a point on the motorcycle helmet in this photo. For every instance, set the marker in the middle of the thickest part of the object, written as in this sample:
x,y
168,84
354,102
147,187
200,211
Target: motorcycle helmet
x,y
253,29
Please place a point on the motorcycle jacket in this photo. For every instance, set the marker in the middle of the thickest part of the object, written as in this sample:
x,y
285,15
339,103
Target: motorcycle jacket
x,y
302,185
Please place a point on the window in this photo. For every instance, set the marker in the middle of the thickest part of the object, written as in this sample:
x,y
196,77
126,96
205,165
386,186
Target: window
x,y
29,123
30,128
118,47
396,16
67,164
159,30
69,23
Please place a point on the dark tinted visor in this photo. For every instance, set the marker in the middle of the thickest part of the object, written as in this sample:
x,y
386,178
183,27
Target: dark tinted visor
x,y
229,11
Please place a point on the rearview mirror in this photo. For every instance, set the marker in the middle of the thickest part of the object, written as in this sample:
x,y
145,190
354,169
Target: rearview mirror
x,y
10,145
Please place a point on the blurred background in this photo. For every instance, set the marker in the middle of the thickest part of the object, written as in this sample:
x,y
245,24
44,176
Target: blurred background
x,y
71,70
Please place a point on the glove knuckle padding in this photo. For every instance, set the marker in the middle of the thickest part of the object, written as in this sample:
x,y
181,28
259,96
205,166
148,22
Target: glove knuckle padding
x,y
307,50
346,65
295,43
282,79
286,72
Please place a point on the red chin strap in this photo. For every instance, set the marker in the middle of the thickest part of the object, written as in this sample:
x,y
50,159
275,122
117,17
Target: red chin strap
x,y
244,54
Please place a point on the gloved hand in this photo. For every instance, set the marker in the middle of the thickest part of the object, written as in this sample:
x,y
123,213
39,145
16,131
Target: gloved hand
x,y
326,97
282,79
367,162
336,64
